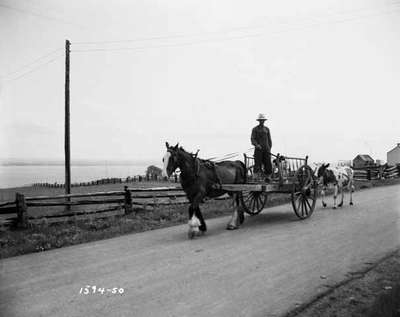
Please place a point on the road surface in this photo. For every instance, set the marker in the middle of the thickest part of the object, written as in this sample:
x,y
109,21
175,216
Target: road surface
x,y
263,269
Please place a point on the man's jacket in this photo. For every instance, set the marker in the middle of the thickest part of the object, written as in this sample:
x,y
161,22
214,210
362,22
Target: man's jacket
x,y
260,135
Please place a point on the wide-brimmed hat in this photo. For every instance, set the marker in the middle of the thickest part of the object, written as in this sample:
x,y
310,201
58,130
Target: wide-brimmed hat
x,y
261,117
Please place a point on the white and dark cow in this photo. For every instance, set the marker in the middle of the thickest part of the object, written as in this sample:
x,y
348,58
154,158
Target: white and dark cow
x,y
338,177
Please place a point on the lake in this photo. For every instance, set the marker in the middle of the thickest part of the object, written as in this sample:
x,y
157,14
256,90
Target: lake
x,y
20,175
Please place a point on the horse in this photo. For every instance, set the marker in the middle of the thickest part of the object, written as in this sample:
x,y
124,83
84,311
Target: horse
x,y
339,177
202,179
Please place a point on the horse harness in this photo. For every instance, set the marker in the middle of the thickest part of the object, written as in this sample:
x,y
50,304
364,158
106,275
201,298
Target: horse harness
x,y
207,164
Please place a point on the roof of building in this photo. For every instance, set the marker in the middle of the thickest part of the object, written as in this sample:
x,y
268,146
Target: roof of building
x,y
365,157
395,148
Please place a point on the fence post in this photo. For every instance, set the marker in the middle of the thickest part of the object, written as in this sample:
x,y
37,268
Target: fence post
x,y
22,210
369,175
128,201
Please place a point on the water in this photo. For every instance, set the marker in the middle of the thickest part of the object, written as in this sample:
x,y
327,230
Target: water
x,y
21,175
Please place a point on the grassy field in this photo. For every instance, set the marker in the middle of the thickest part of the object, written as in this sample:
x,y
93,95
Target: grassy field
x,y
7,194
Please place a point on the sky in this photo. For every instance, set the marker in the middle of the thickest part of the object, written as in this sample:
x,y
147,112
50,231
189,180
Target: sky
x,y
325,73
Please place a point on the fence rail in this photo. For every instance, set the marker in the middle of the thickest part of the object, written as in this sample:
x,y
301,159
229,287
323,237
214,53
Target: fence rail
x,y
128,198
377,172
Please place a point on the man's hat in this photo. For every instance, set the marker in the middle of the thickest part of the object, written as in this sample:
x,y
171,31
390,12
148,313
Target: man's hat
x,y
261,117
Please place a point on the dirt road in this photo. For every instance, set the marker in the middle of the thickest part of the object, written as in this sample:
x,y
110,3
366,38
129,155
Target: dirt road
x,y
264,269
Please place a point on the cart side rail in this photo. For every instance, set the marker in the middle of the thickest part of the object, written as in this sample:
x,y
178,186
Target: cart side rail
x,y
283,166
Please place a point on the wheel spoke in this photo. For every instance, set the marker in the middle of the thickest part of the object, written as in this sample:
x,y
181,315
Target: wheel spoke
x,y
256,201
260,201
298,205
305,206
308,203
252,203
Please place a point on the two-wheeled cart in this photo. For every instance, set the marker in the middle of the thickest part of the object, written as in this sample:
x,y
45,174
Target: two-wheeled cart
x,y
291,175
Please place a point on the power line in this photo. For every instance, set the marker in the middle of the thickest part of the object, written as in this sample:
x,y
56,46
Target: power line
x,y
168,45
167,37
33,70
235,29
22,67
37,14
221,39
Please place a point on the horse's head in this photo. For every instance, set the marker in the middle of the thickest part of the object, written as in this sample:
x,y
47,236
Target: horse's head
x,y
170,159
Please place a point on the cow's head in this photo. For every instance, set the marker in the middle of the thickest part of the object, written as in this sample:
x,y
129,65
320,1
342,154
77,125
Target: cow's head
x,y
322,172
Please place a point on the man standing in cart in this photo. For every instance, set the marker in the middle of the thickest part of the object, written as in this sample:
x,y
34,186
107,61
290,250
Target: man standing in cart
x,y
261,139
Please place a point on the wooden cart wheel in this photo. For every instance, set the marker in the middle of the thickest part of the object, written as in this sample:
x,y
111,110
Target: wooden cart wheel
x,y
304,194
253,202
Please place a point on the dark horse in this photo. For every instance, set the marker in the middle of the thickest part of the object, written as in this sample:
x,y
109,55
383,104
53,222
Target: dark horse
x,y
200,179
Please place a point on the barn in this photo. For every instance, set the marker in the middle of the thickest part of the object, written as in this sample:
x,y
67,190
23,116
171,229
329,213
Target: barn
x,y
393,156
363,160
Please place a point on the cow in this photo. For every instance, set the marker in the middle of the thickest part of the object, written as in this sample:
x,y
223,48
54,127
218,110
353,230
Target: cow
x,y
339,177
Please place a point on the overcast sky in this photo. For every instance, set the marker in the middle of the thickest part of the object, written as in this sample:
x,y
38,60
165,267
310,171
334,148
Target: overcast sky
x,y
326,74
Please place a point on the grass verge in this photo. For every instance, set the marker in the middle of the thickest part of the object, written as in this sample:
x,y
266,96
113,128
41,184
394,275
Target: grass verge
x,y
45,236
374,292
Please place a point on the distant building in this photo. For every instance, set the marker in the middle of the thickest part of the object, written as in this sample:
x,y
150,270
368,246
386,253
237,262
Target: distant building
x,y
379,162
393,156
344,163
363,160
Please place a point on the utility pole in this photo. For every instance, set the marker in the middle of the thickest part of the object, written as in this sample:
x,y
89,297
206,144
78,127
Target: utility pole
x,y
67,146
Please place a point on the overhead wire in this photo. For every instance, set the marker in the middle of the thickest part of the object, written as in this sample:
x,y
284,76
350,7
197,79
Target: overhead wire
x,y
37,14
230,30
393,5
393,8
32,70
33,62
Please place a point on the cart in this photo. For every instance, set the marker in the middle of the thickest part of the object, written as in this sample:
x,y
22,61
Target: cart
x,y
291,175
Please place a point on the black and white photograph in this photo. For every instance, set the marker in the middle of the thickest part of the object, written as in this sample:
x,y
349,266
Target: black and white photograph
x,y
200,158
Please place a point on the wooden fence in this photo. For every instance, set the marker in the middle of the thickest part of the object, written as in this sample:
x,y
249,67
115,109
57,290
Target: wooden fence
x,y
127,199
377,172
113,180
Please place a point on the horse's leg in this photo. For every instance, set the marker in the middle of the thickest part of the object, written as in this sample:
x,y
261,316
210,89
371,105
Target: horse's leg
x,y
234,223
194,222
323,196
240,208
342,195
335,195
203,226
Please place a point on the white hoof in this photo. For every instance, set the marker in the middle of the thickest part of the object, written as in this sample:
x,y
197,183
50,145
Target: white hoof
x,y
191,234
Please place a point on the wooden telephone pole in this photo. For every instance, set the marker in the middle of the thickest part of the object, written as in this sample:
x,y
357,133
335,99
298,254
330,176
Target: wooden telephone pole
x,y
67,146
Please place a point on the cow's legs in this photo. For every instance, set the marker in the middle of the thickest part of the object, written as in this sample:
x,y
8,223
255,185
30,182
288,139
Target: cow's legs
x,y
237,215
323,196
341,195
335,193
351,189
